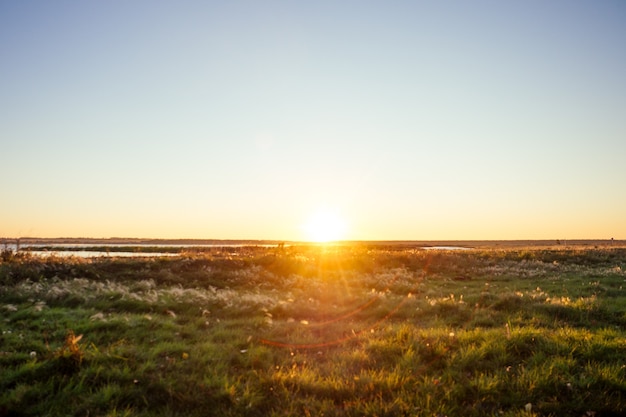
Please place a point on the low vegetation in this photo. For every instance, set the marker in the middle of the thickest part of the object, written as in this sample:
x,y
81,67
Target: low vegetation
x,y
315,330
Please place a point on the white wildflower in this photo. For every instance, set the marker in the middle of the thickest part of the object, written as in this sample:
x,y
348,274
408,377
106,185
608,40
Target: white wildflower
x,y
97,316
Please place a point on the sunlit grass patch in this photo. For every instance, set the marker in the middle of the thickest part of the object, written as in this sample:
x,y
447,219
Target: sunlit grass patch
x,y
347,331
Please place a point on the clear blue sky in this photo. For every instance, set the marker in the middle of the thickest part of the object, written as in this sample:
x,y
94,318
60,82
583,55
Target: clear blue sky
x,y
408,119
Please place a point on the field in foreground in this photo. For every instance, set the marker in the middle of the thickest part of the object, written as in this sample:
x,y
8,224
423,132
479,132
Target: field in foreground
x,y
299,331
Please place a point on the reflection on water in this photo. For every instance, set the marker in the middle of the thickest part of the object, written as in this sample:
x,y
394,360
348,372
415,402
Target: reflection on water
x,y
95,254
90,250
445,248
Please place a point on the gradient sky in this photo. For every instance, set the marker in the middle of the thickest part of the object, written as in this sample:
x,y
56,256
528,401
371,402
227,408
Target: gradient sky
x,y
239,119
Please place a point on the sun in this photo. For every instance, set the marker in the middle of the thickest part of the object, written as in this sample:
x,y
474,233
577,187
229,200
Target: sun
x,y
325,225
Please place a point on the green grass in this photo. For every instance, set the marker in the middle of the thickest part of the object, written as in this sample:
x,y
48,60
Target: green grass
x,y
338,331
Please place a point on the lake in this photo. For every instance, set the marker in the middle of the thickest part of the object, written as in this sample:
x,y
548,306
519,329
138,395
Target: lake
x,y
91,250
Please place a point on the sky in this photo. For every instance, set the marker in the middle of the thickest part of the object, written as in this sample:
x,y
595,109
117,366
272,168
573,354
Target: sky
x,y
401,120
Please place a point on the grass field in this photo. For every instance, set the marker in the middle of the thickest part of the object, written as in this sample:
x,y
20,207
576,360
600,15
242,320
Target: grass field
x,y
315,330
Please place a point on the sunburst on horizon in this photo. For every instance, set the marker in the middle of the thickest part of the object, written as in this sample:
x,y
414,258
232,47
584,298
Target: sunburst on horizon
x,y
325,225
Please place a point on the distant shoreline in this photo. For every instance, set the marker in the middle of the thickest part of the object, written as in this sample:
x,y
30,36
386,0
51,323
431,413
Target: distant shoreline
x,y
478,244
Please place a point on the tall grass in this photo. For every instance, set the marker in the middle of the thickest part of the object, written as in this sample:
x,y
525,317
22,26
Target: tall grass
x,y
316,331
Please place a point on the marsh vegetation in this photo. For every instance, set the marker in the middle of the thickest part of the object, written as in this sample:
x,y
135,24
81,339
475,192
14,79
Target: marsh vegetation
x,y
312,330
